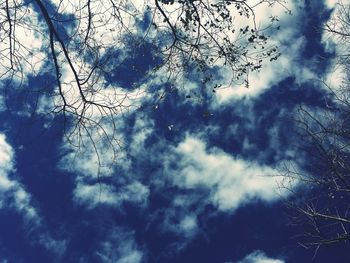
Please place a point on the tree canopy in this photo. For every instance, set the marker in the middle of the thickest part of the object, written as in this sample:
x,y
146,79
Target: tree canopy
x,y
100,58
322,208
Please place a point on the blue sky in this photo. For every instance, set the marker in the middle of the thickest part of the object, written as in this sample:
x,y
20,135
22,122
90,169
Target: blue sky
x,y
195,179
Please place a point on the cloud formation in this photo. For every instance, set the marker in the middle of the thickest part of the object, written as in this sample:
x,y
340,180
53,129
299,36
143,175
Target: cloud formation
x,y
18,61
120,247
13,195
10,189
92,195
231,182
259,257
291,42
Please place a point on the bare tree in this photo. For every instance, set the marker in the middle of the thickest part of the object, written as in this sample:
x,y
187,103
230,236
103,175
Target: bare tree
x,y
83,43
322,205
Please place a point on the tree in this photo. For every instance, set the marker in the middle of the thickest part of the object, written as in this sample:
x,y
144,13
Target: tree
x,y
83,45
322,206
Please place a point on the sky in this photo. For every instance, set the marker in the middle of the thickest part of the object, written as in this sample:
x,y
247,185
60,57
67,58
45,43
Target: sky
x,y
196,177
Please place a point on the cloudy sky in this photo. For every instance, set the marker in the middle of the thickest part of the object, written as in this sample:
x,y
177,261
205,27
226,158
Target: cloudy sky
x,y
195,178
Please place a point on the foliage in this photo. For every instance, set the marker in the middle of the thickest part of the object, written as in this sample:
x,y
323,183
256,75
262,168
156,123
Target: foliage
x,y
83,44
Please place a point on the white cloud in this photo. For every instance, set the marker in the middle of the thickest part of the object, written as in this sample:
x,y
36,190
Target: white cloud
x,y
6,165
94,155
134,256
14,195
259,257
271,73
11,187
120,247
290,43
337,77
26,42
92,195
86,162
231,182
181,222
110,30
188,223
112,35
97,161
6,155
332,3
142,129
